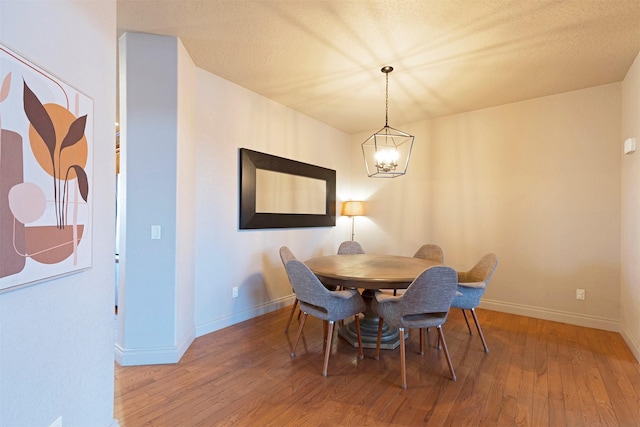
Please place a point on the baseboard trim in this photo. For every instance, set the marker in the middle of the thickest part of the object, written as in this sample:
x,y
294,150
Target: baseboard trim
x,y
234,318
154,356
634,346
553,315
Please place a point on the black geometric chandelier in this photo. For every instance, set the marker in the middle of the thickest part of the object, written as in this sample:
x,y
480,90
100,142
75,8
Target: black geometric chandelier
x,y
386,152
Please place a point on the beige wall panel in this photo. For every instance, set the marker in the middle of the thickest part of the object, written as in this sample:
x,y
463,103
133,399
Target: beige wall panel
x,y
537,182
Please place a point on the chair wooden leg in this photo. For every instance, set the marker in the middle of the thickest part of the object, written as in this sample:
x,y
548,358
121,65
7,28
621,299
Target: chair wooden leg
x,y
361,354
380,321
422,341
403,362
464,313
327,351
324,332
304,318
446,352
475,319
340,322
293,310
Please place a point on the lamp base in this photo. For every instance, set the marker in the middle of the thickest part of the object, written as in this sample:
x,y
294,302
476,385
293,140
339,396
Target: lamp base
x,y
353,234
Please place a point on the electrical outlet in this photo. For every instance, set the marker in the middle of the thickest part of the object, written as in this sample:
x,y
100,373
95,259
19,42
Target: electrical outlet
x,y
580,294
234,292
57,423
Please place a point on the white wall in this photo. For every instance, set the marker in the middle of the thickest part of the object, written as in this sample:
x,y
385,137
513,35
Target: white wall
x,y
537,182
156,286
180,135
630,281
56,337
185,200
229,117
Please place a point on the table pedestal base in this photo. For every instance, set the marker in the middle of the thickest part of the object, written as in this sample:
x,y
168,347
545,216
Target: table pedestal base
x,y
390,338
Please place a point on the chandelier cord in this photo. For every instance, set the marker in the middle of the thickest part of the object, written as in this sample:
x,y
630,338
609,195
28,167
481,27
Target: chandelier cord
x,y
386,102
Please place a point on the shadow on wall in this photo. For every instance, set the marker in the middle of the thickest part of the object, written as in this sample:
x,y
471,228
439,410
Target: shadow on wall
x,y
275,281
252,292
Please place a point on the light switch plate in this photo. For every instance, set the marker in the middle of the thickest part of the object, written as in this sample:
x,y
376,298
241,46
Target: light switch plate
x,y
156,232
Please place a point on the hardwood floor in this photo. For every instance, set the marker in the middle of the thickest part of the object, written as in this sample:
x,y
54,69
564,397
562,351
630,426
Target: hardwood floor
x,y
538,373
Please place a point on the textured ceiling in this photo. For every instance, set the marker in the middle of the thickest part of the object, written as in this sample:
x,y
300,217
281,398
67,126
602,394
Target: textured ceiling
x,y
323,57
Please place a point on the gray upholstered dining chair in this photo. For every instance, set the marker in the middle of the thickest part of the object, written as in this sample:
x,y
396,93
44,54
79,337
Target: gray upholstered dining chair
x,y
428,251
350,247
471,286
315,299
424,304
431,252
287,255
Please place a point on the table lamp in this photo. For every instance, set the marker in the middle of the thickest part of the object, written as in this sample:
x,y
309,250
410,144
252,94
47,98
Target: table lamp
x,y
353,209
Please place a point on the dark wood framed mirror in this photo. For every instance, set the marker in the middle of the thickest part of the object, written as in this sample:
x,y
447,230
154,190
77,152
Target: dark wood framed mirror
x,y
276,192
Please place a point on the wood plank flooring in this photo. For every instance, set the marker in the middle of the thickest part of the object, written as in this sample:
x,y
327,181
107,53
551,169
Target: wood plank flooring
x,y
538,373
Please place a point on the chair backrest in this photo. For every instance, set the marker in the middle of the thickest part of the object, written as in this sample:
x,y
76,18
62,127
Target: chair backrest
x,y
286,255
431,292
350,247
482,271
430,252
306,285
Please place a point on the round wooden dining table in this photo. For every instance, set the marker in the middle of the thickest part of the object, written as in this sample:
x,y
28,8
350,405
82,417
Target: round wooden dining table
x,y
369,273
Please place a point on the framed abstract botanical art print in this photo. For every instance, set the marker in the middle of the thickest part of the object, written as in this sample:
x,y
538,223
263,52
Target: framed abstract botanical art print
x,y
46,167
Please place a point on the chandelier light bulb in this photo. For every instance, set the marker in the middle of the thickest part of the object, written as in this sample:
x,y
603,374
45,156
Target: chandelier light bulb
x,y
387,159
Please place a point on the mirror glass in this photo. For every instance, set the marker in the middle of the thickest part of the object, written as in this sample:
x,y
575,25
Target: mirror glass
x,y
278,192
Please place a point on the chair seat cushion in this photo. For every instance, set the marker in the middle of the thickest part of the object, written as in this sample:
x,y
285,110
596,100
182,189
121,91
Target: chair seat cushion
x,y
383,296
467,297
473,284
423,320
340,305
